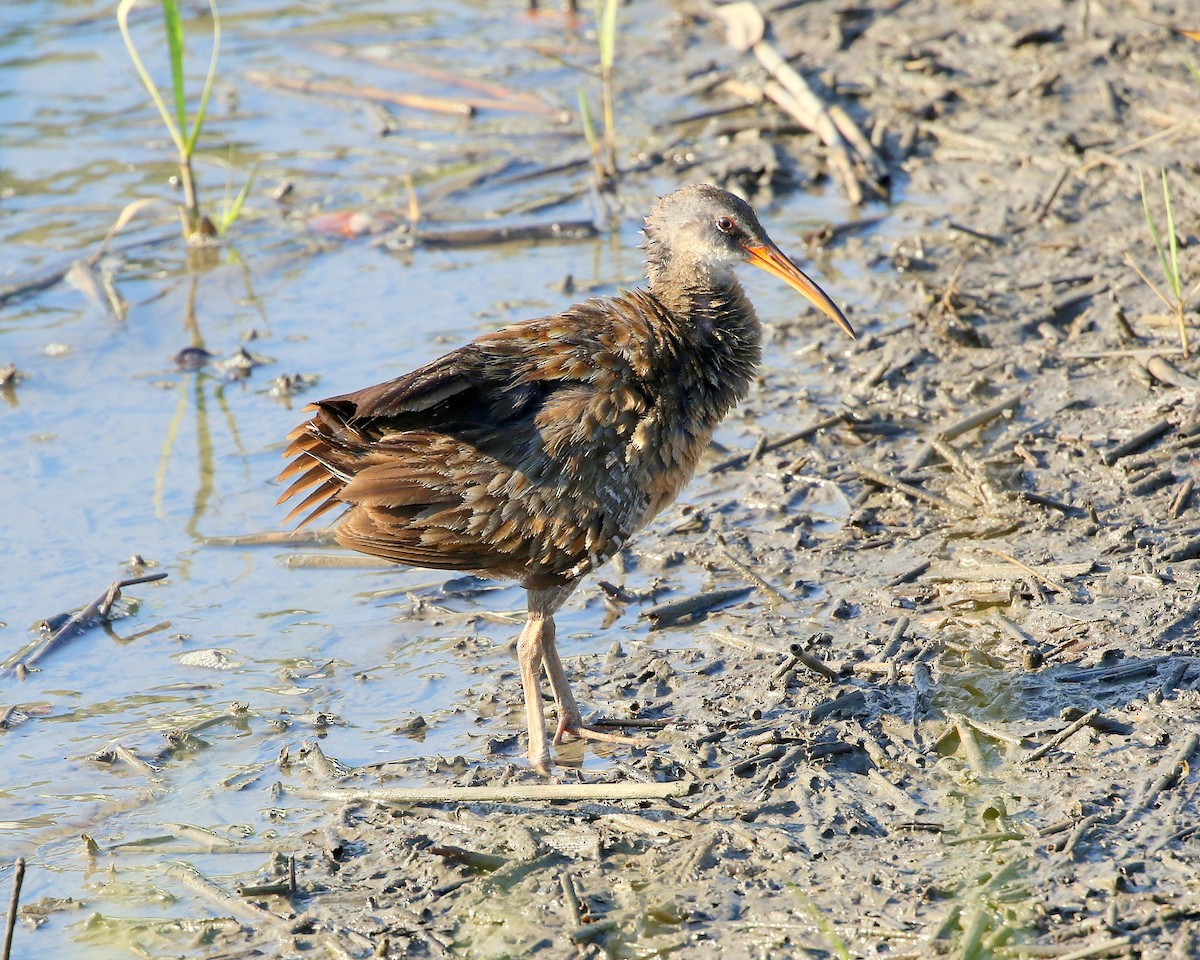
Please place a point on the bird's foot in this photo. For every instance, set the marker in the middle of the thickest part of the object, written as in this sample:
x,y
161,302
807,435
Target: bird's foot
x,y
539,759
570,726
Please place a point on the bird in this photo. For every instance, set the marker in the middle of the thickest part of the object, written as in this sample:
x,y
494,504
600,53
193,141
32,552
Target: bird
x,y
537,450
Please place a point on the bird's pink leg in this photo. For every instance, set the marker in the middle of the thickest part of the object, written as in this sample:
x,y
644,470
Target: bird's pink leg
x,y
570,721
530,653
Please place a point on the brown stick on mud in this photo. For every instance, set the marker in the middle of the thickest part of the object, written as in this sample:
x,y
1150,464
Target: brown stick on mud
x,y
1036,574
795,437
883,480
14,899
1165,781
1062,736
512,233
96,610
798,655
1136,442
970,746
571,898
749,574
978,419
966,424
666,614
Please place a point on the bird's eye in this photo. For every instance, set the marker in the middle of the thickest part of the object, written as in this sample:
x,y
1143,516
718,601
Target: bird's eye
x,y
725,225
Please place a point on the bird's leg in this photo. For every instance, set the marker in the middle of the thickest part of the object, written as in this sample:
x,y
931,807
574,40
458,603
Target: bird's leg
x,y
530,654
570,721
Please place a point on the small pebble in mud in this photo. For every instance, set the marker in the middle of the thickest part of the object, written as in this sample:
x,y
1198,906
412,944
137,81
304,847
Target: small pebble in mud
x,y
192,358
411,726
240,364
289,384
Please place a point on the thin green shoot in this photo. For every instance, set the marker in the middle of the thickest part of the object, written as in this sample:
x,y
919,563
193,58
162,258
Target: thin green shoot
x,y
176,121
1172,272
174,31
836,943
589,132
1168,258
231,211
606,22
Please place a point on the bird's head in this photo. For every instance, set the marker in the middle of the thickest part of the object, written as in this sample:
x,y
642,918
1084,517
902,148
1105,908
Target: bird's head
x,y
701,231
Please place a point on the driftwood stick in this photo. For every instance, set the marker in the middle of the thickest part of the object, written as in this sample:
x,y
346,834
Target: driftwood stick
x,y
994,733
1062,736
204,887
666,614
1079,829
510,793
837,155
353,91
1168,373
510,233
1166,780
98,609
815,665
883,480
1141,354
571,897
979,418
1096,949
1036,574
472,858
1136,442
1121,673
746,30
876,170
749,574
291,538
14,900
795,437
966,739
495,93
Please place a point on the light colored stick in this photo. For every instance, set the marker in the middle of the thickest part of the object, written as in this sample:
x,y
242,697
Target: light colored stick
x,y
839,157
1063,735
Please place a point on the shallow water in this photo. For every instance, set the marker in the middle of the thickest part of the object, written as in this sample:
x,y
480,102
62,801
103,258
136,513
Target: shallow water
x,y
112,452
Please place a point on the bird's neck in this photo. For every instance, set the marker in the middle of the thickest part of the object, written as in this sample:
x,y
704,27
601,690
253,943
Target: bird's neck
x,y
716,332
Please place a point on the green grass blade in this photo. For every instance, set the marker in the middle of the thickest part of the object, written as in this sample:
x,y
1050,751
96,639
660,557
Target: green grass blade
x,y
175,52
606,20
836,943
210,80
173,129
1173,278
230,215
589,125
1153,227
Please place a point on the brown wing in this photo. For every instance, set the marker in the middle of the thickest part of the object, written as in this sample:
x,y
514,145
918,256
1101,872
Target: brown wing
x,y
505,456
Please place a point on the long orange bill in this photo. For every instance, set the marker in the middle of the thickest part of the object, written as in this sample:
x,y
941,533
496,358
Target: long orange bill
x,y
770,258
